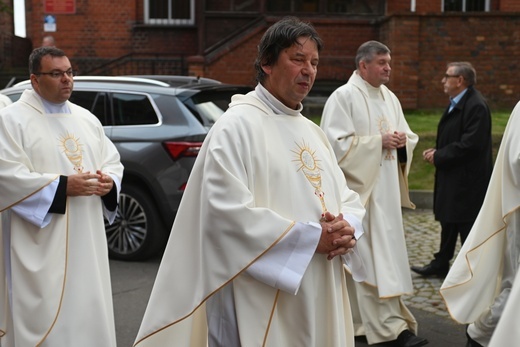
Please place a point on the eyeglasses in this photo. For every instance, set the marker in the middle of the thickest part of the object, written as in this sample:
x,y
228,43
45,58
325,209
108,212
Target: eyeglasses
x,y
58,73
448,76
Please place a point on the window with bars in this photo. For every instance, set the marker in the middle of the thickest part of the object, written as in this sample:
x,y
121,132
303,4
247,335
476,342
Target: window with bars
x,y
466,5
169,12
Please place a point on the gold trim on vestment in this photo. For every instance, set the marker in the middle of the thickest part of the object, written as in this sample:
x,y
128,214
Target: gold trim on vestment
x,y
36,191
503,228
64,277
219,288
271,317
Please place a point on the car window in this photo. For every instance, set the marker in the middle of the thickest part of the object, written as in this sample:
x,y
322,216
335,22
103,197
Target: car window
x,y
133,109
15,96
210,106
172,109
95,102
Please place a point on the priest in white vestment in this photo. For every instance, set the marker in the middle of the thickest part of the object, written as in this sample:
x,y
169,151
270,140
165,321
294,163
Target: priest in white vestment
x,y
59,174
248,262
480,282
374,146
4,101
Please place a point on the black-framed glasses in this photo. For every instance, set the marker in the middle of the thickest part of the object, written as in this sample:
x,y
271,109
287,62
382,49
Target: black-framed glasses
x,y
448,76
58,73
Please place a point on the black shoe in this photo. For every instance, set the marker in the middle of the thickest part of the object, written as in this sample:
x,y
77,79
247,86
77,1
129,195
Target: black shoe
x,y
471,342
407,339
431,269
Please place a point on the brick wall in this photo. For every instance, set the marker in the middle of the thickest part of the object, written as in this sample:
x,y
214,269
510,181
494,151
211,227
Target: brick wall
x,y
236,66
6,30
421,47
421,43
161,40
97,29
341,40
491,42
102,31
508,5
421,6
431,6
399,6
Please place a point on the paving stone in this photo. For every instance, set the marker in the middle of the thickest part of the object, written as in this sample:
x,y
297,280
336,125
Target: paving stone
x,y
422,233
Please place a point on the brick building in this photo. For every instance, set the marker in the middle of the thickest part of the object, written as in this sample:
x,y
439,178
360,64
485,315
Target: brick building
x,y
218,38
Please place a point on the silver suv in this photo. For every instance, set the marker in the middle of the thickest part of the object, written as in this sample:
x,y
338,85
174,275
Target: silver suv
x,y
158,124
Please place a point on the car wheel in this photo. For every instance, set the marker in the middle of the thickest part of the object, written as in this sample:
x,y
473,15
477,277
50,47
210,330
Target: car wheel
x,y
137,232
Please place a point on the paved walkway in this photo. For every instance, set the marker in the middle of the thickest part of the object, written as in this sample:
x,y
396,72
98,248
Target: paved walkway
x,y
422,234
422,238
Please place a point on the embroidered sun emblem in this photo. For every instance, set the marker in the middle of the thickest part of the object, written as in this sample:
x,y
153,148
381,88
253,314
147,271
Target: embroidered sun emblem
x,y
385,128
73,150
308,164
384,125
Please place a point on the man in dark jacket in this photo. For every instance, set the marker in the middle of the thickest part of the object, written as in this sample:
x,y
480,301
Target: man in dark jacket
x,y
463,163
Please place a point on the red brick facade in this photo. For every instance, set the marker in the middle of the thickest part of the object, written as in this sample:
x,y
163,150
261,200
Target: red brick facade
x,y
222,45
421,47
6,28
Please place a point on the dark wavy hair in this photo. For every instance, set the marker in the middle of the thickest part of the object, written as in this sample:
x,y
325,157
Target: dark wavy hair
x,y
279,36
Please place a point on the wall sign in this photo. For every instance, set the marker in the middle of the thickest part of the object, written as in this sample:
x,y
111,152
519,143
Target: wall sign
x,y
49,23
60,6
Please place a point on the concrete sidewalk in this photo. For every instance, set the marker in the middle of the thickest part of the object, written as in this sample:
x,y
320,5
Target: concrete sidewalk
x,y
422,238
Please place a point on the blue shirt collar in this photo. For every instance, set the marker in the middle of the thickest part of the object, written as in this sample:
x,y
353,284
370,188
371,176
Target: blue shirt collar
x,y
454,101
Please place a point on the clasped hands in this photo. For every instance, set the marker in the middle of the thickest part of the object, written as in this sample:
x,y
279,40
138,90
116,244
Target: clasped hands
x,y
86,184
337,236
394,140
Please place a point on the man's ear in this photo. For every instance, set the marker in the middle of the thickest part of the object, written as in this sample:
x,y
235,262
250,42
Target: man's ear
x,y
34,80
362,65
267,69
461,81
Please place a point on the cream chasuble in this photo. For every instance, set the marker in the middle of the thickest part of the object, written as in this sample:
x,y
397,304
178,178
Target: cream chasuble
x,y
507,331
475,277
354,118
59,274
256,175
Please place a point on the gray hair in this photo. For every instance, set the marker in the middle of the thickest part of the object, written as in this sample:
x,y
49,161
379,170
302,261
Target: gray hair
x,y
35,59
466,70
281,35
369,50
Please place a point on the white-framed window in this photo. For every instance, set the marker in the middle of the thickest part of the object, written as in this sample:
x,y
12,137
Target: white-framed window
x,y
465,5
169,12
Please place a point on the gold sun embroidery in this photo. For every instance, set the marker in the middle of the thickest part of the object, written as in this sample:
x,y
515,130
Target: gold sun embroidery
x,y
385,128
384,125
308,164
73,150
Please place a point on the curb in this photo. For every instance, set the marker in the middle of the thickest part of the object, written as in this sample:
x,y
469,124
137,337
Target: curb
x,y
422,198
